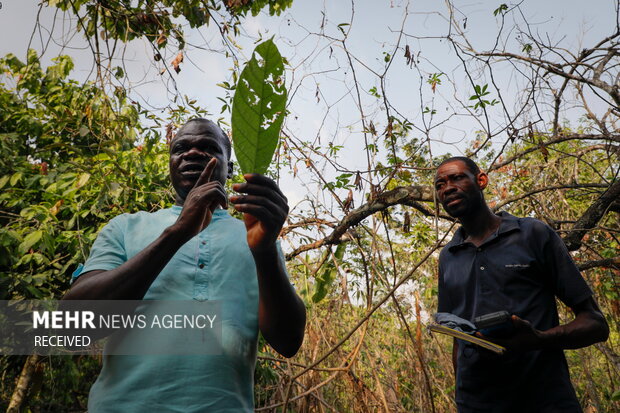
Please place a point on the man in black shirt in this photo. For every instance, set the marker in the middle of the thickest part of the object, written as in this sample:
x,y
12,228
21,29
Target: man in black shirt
x,y
501,262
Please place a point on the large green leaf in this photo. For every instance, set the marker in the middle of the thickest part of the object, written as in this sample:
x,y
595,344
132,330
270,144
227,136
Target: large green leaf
x,y
258,109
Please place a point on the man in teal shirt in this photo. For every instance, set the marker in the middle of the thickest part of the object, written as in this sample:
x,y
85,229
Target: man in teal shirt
x,y
197,251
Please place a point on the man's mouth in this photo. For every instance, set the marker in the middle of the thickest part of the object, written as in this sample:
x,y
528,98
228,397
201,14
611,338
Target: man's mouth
x,y
192,171
453,201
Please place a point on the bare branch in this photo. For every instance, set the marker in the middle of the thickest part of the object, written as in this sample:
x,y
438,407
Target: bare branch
x,y
562,138
612,90
607,262
404,195
592,216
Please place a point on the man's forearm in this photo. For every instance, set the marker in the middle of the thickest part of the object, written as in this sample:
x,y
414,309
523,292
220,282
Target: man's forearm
x,y
281,313
131,280
587,328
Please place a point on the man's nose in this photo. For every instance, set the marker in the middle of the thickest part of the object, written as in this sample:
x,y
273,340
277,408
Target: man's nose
x,y
448,188
195,152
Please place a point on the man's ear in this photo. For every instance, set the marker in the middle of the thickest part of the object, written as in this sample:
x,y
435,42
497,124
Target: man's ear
x,y
483,180
230,170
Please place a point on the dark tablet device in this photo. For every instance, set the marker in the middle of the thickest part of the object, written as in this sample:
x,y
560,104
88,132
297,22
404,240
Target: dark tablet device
x,y
498,324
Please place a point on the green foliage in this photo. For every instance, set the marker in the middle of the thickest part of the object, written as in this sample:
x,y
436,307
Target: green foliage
x,y
58,383
68,163
71,158
342,27
326,278
500,10
255,6
51,118
265,373
434,79
343,181
259,108
480,92
126,20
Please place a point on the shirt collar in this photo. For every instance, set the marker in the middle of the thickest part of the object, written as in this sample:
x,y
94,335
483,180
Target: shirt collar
x,y
218,213
508,223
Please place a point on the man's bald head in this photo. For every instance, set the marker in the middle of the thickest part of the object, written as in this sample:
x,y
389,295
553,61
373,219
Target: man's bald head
x,y
198,124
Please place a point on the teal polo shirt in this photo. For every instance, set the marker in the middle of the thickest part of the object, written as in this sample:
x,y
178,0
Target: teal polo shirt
x,y
214,265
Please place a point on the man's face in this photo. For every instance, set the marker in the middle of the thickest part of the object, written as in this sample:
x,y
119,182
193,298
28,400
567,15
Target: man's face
x,y
190,151
458,189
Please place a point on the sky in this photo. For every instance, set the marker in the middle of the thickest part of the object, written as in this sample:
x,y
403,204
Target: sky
x,y
322,95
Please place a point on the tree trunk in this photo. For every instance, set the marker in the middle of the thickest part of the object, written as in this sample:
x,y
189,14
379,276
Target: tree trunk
x,y
22,384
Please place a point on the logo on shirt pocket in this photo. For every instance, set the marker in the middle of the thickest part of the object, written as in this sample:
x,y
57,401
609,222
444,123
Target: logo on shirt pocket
x,y
517,265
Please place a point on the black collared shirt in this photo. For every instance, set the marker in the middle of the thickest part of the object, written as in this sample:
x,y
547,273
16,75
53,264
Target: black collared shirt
x,y
521,268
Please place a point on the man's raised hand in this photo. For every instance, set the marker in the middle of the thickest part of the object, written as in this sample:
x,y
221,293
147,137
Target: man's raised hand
x,y
264,208
201,201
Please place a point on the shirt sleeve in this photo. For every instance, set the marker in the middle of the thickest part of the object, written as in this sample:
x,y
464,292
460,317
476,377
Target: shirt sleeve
x,y
443,300
565,278
108,251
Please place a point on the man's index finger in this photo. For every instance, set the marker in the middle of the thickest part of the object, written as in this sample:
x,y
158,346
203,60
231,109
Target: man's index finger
x,y
206,174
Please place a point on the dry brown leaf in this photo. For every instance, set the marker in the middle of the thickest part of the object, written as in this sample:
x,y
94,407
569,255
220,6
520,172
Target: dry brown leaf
x,y
169,133
408,55
407,222
177,61
54,210
545,152
358,181
348,203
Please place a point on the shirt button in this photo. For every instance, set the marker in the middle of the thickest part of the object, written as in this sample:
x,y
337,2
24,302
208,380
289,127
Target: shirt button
x,y
201,266
478,249
482,268
204,242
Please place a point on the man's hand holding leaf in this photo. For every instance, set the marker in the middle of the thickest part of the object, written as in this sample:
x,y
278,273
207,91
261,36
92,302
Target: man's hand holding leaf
x,y
264,208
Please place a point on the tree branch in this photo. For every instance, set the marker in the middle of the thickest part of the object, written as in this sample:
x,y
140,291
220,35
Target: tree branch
x,y
555,68
562,138
545,189
592,216
607,262
403,195
306,223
